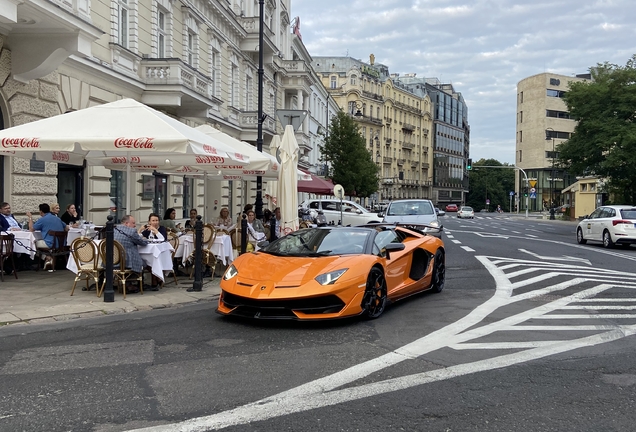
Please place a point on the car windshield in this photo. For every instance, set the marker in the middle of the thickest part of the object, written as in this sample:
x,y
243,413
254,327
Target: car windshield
x,y
628,213
317,242
410,208
467,209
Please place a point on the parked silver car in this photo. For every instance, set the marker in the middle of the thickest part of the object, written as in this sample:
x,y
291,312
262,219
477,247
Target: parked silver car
x,y
418,213
352,213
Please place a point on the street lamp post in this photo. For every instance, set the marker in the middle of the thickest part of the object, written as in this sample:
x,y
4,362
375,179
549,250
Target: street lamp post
x,y
549,134
259,136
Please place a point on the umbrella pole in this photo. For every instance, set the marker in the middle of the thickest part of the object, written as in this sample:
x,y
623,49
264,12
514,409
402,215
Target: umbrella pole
x,y
129,183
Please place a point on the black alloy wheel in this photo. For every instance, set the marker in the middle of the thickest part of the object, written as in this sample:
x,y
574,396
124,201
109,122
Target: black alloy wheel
x,y
375,294
607,239
439,272
579,236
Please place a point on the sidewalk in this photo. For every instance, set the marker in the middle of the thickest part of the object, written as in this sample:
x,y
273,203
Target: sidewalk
x,y
43,297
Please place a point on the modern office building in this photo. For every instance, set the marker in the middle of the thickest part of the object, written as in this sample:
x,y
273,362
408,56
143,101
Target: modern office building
x,y
543,122
195,61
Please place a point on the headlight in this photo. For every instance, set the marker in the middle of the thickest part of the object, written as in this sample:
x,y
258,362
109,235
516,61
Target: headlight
x,y
330,278
434,224
230,272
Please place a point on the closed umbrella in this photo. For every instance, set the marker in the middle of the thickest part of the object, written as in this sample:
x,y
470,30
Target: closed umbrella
x,y
287,194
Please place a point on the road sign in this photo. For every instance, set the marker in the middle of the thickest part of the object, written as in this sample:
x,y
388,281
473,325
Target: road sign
x,y
487,201
533,195
533,190
533,183
512,193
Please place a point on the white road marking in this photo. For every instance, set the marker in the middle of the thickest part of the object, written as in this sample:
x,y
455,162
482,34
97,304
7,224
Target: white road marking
x,y
516,232
552,258
530,235
467,249
456,241
491,235
338,388
450,236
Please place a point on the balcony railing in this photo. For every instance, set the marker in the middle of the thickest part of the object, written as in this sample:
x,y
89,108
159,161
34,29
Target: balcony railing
x,y
407,145
400,162
408,127
175,72
387,160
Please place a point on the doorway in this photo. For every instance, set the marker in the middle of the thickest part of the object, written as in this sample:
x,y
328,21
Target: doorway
x,y
160,201
70,187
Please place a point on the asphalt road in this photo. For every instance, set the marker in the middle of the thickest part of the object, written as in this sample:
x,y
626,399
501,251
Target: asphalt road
x,y
533,332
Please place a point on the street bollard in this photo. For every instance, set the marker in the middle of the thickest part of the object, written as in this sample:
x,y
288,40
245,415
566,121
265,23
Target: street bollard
x,y
109,292
198,256
273,235
243,234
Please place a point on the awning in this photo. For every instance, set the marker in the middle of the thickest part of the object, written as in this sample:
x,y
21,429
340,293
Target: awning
x,y
316,185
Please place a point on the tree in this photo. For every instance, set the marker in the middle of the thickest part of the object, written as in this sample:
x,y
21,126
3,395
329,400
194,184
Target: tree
x,y
604,140
349,162
493,184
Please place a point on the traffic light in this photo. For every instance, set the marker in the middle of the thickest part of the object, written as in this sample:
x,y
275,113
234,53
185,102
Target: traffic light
x,y
469,165
525,191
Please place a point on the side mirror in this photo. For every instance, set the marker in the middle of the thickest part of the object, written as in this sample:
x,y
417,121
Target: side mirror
x,y
358,211
381,214
392,247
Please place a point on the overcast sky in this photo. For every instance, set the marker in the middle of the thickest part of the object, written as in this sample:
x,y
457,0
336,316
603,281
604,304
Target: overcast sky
x,y
483,47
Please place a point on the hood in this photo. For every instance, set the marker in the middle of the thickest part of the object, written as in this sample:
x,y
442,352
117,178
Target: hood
x,y
411,219
287,271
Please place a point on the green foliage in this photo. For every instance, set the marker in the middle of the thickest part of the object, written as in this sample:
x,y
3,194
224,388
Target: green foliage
x,y
491,183
604,141
350,163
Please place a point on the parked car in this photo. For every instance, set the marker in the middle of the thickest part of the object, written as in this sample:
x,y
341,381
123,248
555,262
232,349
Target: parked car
x,y
610,225
466,212
451,207
415,213
352,213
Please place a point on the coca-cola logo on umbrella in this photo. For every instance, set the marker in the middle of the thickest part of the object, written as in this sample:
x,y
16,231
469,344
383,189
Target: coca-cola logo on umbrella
x,y
135,143
238,156
209,159
209,149
60,156
232,177
124,160
20,143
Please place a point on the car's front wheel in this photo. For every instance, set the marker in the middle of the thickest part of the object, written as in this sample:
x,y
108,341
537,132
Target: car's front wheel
x,y
439,272
579,237
607,239
375,294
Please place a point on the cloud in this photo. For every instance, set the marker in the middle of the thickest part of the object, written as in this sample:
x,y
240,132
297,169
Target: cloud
x,y
483,47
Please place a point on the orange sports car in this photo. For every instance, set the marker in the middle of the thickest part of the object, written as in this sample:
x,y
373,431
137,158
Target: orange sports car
x,y
333,272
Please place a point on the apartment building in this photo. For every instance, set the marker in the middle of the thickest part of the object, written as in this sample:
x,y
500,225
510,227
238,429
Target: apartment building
x,y
197,61
394,121
543,122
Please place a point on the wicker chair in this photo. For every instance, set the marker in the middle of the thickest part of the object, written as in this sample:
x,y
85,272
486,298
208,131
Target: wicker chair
x,y
173,239
6,253
208,258
120,272
86,257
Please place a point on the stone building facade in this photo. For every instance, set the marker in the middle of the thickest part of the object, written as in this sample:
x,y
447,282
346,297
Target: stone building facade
x,y
197,61
542,123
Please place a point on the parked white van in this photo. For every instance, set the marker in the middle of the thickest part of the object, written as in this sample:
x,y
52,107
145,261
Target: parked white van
x,y
352,213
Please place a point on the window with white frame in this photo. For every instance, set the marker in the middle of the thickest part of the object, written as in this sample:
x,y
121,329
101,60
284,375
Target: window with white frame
x,y
334,82
190,51
234,85
124,23
162,33
248,91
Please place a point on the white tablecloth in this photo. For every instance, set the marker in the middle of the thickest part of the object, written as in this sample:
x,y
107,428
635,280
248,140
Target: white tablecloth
x,y
157,256
24,241
74,233
221,248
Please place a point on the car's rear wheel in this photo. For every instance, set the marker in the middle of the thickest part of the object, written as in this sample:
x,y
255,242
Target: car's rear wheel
x,y
439,271
579,236
375,294
607,239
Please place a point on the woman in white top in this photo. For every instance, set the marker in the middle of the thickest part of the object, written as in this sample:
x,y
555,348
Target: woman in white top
x,y
255,227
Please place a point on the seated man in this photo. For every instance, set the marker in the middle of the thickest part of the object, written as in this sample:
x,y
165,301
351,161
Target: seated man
x,y
7,221
129,237
46,223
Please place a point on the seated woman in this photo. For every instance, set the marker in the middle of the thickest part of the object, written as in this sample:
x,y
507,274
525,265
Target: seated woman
x,y
224,220
70,216
152,230
255,229
190,223
168,220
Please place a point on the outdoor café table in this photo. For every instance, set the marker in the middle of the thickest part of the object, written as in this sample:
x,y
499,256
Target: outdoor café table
x,y
74,233
157,256
24,241
221,248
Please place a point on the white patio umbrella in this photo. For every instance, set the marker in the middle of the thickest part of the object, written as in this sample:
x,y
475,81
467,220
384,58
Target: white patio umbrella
x,y
122,129
287,195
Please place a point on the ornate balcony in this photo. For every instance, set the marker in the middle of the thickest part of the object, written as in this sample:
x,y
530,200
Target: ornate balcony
x,y
408,127
407,145
248,121
387,160
400,162
251,41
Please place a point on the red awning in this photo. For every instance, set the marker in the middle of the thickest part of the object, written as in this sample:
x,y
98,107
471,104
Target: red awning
x,y
316,185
